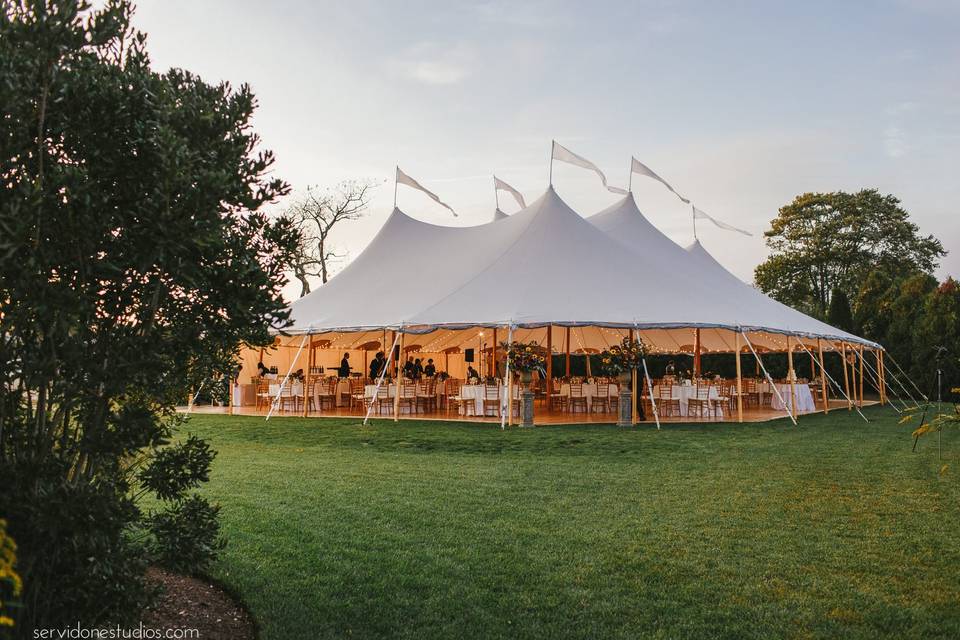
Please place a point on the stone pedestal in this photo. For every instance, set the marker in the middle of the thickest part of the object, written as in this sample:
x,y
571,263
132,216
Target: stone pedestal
x,y
625,409
526,408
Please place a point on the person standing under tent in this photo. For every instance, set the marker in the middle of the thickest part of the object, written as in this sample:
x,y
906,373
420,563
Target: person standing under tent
x,y
344,370
379,361
409,368
430,370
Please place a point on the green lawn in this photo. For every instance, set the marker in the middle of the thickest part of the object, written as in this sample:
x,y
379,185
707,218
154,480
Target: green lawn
x,y
427,530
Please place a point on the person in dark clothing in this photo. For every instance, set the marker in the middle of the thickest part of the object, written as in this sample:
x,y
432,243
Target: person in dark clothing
x,y
472,373
409,369
430,370
379,362
262,369
344,370
417,369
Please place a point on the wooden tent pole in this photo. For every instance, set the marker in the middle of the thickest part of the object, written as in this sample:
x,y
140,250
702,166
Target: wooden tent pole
x,y
793,376
882,374
492,365
634,413
696,352
306,379
846,380
509,380
739,382
823,378
396,393
549,362
860,351
568,353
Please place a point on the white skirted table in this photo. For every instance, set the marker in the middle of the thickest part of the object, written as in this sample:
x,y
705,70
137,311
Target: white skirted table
x,y
805,402
684,392
589,391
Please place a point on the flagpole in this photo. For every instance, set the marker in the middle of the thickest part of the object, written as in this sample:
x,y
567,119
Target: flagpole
x,y
396,172
552,143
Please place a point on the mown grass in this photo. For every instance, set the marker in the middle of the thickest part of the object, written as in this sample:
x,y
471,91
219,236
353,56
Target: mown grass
x,y
442,530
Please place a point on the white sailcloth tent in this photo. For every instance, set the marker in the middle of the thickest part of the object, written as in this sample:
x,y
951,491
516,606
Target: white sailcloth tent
x,y
544,265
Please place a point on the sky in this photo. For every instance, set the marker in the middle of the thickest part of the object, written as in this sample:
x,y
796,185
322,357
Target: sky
x,y
741,106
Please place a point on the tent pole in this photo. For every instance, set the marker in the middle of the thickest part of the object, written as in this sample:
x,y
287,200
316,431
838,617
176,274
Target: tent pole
x,y
653,402
568,353
508,416
634,415
549,388
776,389
496,196
793,377
395,174
883,378
846,381
861,376
306,379
838,387
283,384
696,352
396,394
492,366
552,145
823,377
383,373
739,382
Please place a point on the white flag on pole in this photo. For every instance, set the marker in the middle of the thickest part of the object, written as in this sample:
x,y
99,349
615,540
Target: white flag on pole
x,y
638,167
697,214
403,178
503,186
563,154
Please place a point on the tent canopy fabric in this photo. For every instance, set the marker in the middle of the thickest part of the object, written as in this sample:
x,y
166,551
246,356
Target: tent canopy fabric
x,y
542,266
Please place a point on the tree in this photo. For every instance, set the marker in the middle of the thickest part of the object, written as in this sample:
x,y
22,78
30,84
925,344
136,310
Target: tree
x,y
315,215
936,340
134,261
839,315
826,241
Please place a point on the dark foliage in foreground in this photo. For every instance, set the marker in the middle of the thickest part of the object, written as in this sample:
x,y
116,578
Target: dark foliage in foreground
x,y
133,261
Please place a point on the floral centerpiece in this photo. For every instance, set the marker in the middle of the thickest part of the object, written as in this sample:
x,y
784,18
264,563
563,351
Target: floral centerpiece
x,y
524,357
621,359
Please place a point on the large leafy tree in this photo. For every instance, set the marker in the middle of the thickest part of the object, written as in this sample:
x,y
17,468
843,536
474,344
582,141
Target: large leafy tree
x,y
133,262
826,241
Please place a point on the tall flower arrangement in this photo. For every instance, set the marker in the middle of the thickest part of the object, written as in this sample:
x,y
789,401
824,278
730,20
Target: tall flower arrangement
x,y
524,356
626,356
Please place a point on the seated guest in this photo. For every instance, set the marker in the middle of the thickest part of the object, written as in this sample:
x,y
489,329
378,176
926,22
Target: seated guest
x,y
344,370
671,369
430,370
472,373
262,369
417,369
409,368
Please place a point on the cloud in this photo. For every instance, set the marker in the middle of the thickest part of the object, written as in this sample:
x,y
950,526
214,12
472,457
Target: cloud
x,y
434,64
894,142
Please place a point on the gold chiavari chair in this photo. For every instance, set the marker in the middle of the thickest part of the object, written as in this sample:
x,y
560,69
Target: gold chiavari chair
x,y
602,397
667,403
699,403
577,398
326,393
357,390
408,395
426,394
384,399
263,393
557,400
491,398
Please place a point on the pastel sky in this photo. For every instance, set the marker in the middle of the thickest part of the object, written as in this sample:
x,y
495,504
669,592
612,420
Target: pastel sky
x,y
740,105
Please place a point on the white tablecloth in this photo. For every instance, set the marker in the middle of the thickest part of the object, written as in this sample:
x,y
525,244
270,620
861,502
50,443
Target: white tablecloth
x,y
805,401
590,392
474,394
683,393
